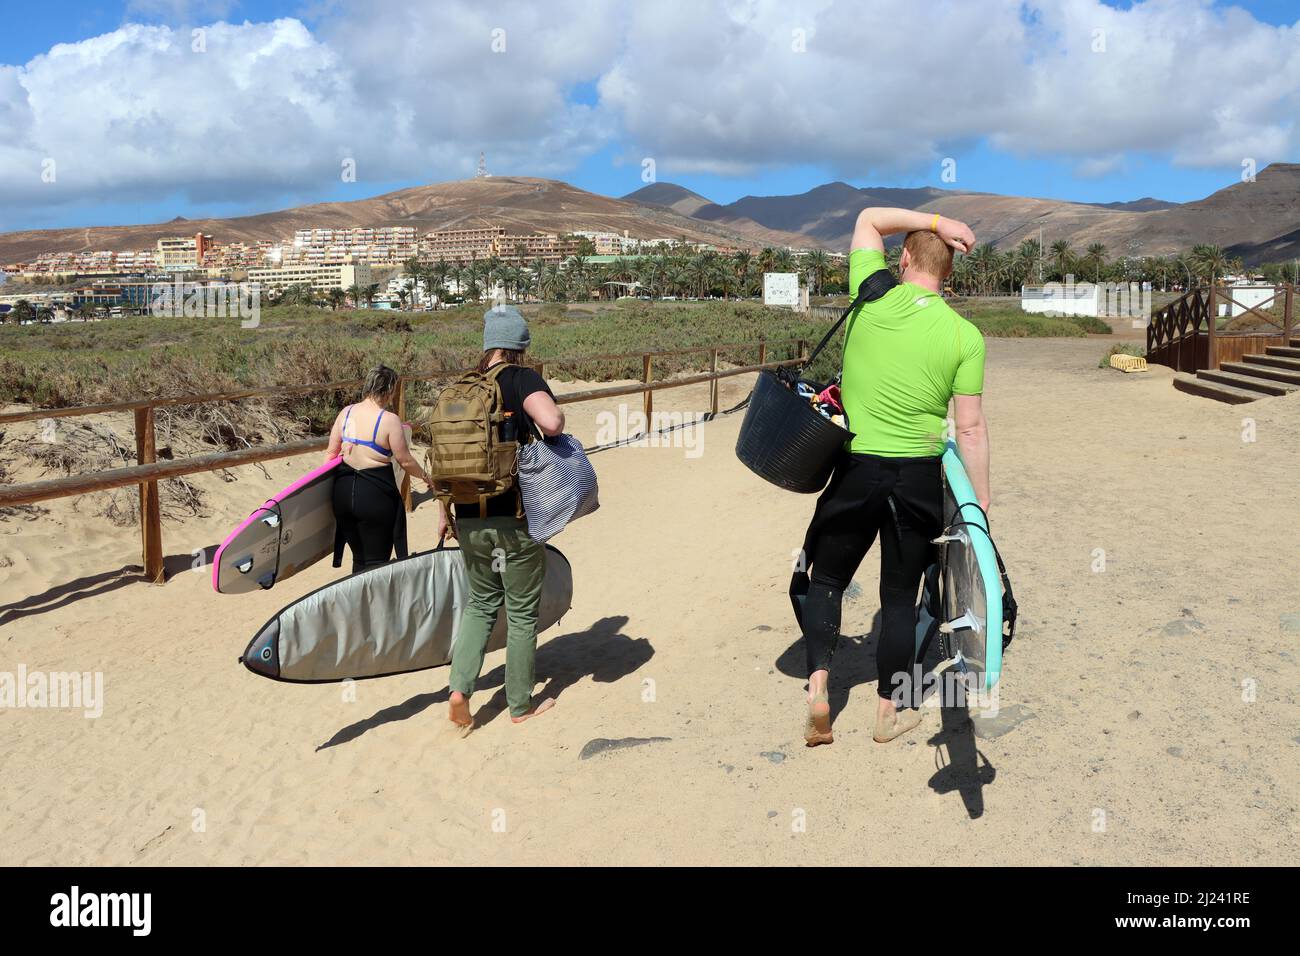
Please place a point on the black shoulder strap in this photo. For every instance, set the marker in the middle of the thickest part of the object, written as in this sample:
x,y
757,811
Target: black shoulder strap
x,y
871,289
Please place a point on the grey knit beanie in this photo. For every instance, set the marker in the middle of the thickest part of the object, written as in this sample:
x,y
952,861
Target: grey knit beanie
x,y
504,327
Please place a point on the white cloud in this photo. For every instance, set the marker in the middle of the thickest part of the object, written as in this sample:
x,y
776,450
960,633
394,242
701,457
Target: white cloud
x,y
413,91
137,112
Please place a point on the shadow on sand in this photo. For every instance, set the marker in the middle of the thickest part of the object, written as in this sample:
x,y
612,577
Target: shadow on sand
x,y
92,585
602,652
959,765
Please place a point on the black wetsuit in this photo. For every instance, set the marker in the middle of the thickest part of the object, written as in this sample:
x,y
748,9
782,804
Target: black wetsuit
x,y
901,499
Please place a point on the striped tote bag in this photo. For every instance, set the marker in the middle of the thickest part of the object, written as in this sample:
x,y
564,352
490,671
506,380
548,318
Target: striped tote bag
x,y
557,485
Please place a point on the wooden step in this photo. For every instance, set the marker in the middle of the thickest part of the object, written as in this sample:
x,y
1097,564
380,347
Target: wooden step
x,y
1295,343
1282,351
1262,371
1215,390
1228,377
1273,361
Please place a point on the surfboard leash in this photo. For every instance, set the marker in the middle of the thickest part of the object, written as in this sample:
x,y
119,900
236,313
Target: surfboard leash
x,y
1009,607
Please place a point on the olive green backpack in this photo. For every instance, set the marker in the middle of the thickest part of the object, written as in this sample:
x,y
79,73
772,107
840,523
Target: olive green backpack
x,y
467,462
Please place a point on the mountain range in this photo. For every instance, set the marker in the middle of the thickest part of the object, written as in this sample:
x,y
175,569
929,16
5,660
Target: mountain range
x,y
1258,220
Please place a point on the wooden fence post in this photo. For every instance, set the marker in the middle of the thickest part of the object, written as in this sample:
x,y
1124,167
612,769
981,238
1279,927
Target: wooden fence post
x,y
1288,317
647,396
146,453
762,351
713,385
399,405
1212,306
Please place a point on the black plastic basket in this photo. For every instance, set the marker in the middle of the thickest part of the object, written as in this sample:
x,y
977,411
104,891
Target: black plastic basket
x,y
785,441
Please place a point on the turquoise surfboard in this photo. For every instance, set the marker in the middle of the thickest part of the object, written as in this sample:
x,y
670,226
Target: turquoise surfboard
x,y
972,598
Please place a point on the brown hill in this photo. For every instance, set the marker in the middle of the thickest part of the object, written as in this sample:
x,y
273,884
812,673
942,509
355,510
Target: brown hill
x,y
516,203
1256,220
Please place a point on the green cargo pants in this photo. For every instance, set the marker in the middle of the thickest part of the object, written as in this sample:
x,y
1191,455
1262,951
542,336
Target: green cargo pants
x,y
504,566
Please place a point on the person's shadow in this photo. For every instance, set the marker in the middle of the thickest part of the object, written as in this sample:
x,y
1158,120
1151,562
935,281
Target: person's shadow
x,y
956,756
855,664
602,651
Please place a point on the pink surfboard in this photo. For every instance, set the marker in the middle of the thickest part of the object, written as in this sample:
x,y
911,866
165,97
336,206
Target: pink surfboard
x,y
291,531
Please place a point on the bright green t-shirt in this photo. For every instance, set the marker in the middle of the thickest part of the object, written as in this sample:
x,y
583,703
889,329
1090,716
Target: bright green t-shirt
x,y
905,356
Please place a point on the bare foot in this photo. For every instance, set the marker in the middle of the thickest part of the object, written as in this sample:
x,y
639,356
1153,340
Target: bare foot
x,y
458,712
541,708
818,730
892,722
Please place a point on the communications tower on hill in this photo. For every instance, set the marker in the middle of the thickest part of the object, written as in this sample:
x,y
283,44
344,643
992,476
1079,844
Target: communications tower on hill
x,y
482,168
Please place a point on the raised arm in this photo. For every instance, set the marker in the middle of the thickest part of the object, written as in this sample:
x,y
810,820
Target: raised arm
x,y
876,222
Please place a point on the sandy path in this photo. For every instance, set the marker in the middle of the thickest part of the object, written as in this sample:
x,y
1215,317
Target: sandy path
x,y
1131,679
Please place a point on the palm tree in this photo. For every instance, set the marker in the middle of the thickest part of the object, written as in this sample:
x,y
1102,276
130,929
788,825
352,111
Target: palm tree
x,y
355,293
1029,260
336,297
578,271
23,311
1209,262
551,283
1062,258
817,263
1096,257
984,266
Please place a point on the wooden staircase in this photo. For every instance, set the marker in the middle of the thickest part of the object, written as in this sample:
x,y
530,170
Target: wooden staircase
x,y
1276,372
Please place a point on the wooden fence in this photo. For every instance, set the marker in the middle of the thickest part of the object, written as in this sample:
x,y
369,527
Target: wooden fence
x,y
148,471
1184,334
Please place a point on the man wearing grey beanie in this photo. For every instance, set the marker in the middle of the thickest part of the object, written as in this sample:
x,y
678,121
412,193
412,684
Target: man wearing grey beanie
x,y
504,565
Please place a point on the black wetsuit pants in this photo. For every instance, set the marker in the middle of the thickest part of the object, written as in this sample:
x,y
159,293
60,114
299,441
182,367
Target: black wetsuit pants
x,y
901,500
368,508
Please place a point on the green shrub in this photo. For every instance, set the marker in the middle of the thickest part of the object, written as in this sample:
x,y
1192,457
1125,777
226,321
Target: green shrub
x,y
1092,325
1121,348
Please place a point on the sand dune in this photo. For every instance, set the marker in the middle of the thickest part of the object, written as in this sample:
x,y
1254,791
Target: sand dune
x,y
1123,736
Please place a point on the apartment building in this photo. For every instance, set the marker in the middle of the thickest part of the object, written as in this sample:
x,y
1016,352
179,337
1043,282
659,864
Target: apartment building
x,y
182,253
387,245
469,245
322,276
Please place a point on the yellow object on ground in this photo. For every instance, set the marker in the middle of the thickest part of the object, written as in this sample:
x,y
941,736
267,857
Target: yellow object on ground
x,y
1128,363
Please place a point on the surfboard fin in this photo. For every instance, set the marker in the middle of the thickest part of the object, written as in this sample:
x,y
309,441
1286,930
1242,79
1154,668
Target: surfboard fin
x,y
271,519
244,566
266,581
945,538
967,622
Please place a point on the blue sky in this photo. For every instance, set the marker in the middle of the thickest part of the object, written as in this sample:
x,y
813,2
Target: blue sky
x,y
587,121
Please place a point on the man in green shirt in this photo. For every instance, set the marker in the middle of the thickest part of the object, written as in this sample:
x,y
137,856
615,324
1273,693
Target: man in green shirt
x,y
907,355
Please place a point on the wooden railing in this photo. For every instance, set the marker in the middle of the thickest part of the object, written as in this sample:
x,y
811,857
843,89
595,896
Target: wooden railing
x,y
149,471
1184,334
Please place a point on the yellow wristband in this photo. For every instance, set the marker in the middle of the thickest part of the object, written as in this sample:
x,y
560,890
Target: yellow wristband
x,y
935,223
